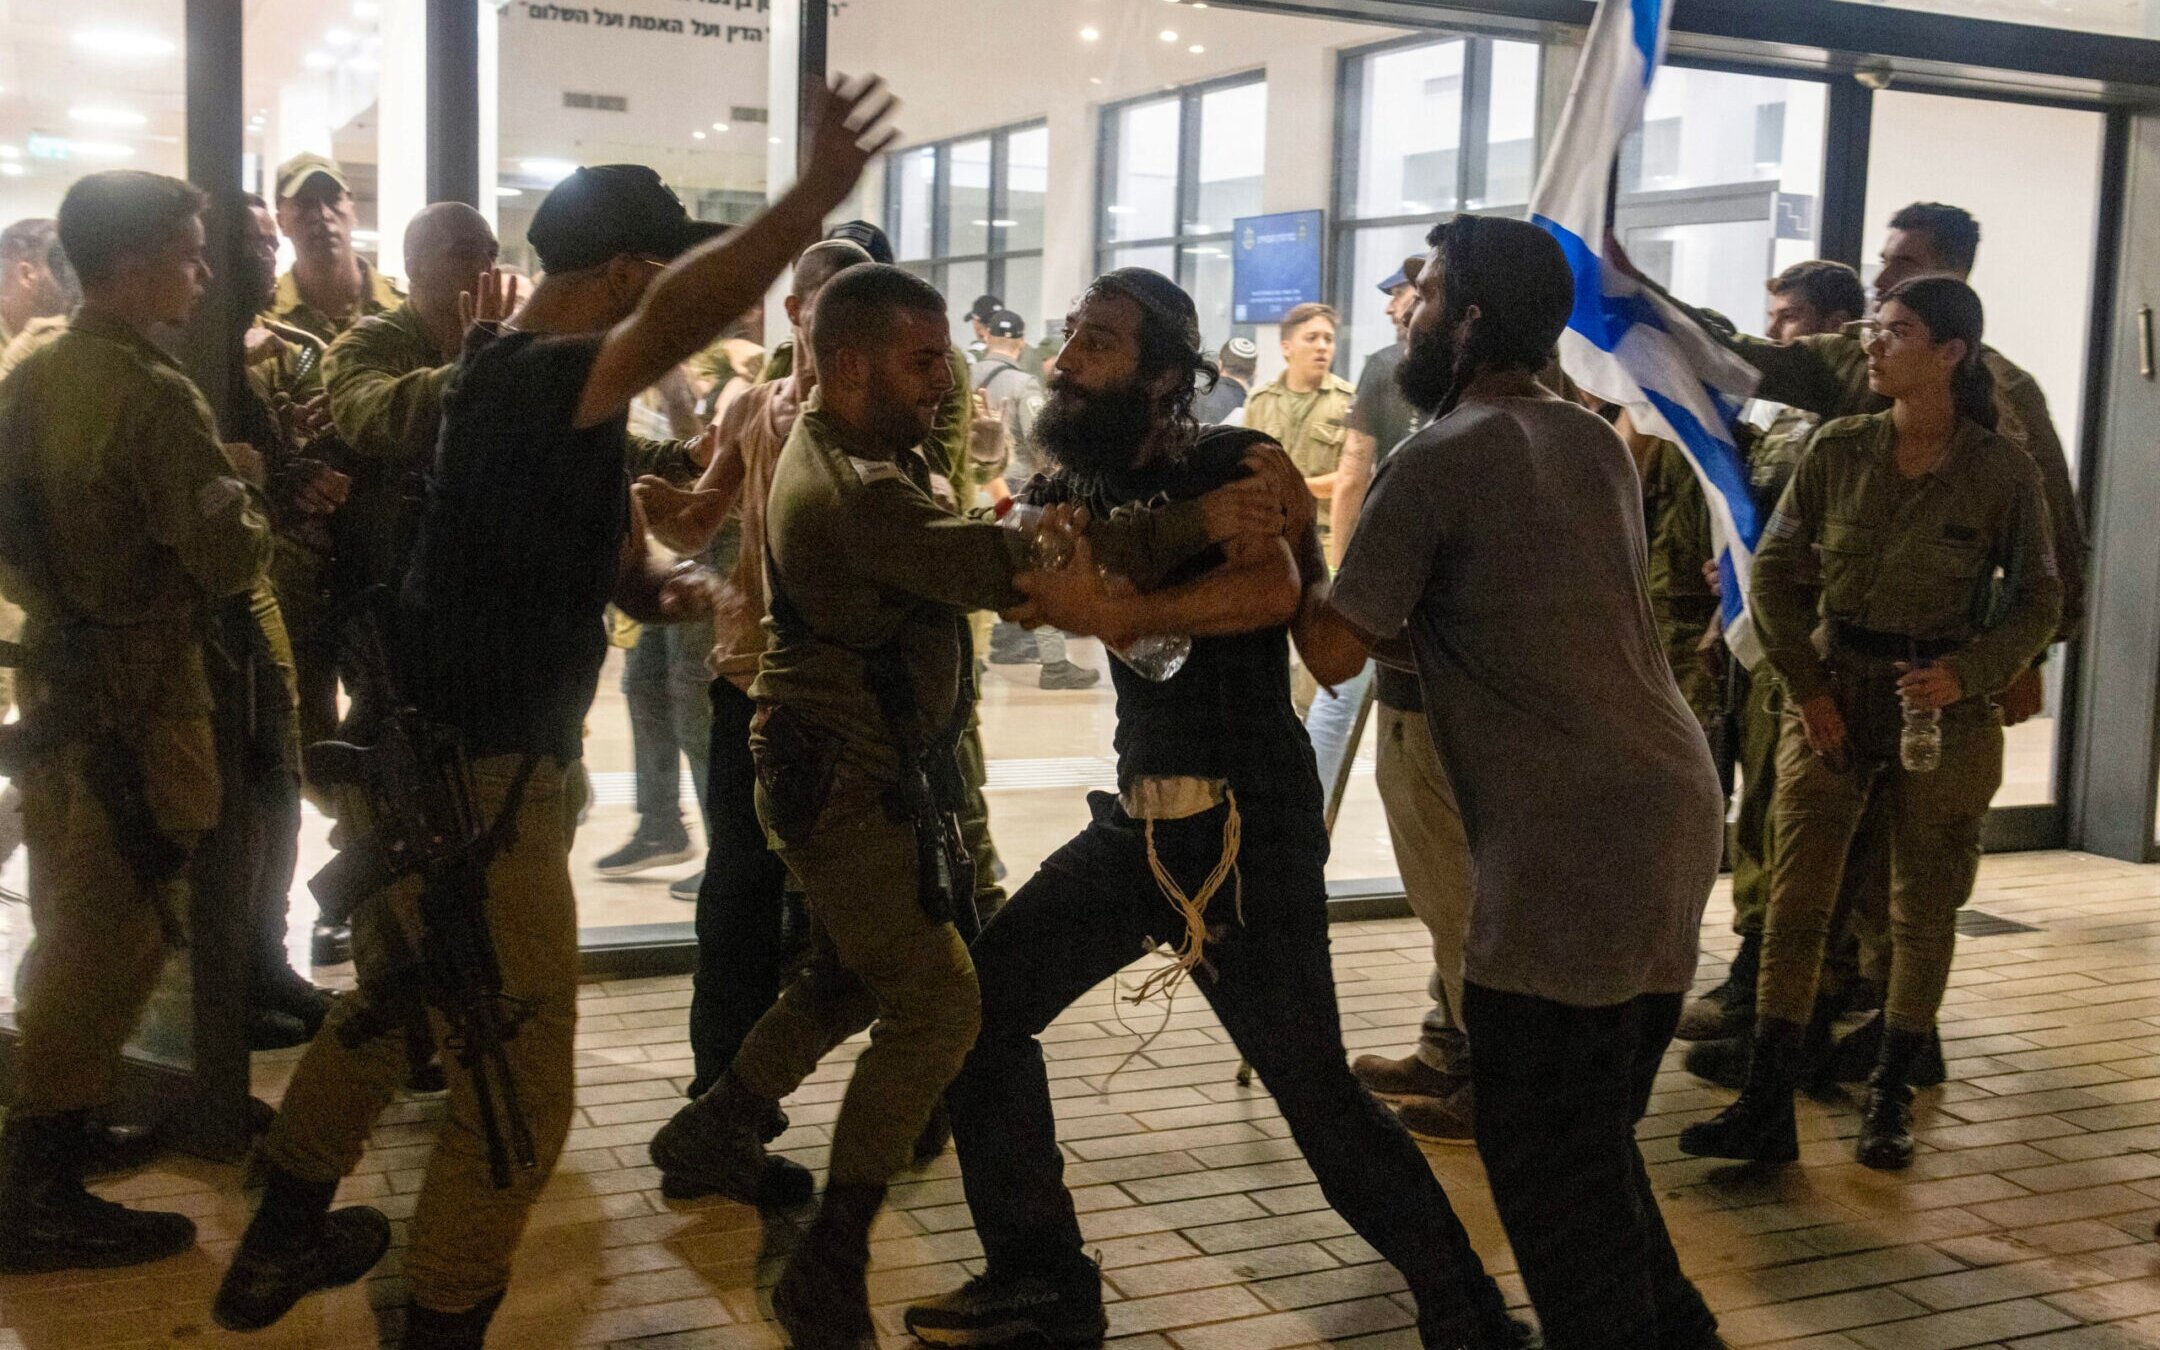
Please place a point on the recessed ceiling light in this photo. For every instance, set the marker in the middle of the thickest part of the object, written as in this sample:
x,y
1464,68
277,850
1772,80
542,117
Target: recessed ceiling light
x,y
1168,35
547,169
126,44
720,127
697,135
12,169
502,191
1089,34
92,116
1196,49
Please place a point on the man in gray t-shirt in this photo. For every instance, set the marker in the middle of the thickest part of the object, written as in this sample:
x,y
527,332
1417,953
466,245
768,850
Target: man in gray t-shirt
x,y
1505,541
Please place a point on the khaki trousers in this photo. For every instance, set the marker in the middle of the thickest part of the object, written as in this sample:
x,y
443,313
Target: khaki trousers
x,y
1432,853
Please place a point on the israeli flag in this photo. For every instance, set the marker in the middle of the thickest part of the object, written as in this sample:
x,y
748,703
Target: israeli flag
x,y
1624,343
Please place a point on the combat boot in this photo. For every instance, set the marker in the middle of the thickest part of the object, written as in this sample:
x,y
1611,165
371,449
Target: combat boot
x,y
427,1329
822,1300
1729,1009
716,1145
48,1221
1855,1058
1760,1126
1886,1142
293,1247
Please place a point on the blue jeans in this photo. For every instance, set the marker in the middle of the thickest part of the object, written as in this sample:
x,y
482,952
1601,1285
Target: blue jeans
x,y
665,683
1329,723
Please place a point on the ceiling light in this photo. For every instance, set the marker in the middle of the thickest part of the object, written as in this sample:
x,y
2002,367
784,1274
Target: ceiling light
x,y
91,116
1168,35
319,61
101,149
1196,49
1089,34
12,169
502,191
697,135
548,170
126,44
720,127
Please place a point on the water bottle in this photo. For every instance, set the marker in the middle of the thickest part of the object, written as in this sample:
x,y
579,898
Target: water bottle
x,y
1920,742
1156,657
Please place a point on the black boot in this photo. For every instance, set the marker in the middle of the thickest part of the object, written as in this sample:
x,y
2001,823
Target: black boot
x,y
49,1222
1759,1127
110,1147
293,1247
1856,1056
426,1329
822,1300
1723,1062
716,1144
1886,1142
1729,1009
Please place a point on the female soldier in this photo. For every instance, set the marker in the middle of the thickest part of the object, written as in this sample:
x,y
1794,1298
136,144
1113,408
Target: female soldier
x,y
1918,538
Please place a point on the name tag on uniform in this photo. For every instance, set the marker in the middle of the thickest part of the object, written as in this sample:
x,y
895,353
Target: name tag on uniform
x,y
876,470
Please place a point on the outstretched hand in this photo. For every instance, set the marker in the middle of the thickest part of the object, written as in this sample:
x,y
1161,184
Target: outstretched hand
x,y
849,127
492,299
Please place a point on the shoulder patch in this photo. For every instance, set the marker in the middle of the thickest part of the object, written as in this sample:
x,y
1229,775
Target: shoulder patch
x,y
1781,527
869,471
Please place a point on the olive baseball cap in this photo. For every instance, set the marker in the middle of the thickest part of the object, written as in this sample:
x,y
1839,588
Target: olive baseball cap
x,y
609,211
295,172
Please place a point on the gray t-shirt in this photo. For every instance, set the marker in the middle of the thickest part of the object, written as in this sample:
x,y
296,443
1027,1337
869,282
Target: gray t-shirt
x,y
1509,536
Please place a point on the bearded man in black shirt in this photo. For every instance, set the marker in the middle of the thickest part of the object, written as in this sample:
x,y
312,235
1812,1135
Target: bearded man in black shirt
x,y
1213,845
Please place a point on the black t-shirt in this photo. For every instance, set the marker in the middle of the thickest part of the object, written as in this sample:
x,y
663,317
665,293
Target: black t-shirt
x,y
1225,398
1381,412
1227,713
521,537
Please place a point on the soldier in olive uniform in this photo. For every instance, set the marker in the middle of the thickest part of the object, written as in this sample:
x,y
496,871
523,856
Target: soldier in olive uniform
x,y
124,520
1908,573
1307,408
1807,299
863,681
528,532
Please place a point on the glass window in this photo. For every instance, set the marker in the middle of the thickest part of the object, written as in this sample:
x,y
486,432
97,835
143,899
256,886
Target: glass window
x,y
1719,184
2118,18
967,215
1410,105
1233,158
2031,176
1142,176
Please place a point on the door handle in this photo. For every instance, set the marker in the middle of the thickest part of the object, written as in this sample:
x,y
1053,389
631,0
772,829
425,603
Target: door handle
x,y
2145,341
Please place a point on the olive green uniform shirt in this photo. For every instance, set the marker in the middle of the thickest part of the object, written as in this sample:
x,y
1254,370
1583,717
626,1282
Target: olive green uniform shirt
x,y
1826,374
121,521
1678,516
1855,542
1308,426
378,295
34,335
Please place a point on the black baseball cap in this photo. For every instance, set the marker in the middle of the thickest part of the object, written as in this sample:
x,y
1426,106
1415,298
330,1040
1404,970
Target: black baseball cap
x,y
1006,324
614,209
871,238
985,308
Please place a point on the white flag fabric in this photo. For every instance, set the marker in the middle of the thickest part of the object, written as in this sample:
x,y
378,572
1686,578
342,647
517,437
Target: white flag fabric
x,y
1624,342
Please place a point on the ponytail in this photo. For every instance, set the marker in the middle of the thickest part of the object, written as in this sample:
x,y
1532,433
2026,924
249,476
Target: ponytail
x,y
1951,309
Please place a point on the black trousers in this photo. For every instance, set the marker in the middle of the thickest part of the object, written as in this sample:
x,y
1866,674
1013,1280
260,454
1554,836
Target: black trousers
x,y
742,929
1092,910
1559,1090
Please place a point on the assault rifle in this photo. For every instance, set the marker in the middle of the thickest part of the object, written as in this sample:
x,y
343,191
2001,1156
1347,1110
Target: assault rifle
x,y
423,822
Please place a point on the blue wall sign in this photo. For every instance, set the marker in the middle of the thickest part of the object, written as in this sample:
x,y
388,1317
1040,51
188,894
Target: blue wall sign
x,y
1275,266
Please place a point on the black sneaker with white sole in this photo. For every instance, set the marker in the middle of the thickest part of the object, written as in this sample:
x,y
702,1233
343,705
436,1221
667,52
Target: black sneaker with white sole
x,y
645,852
1000,1309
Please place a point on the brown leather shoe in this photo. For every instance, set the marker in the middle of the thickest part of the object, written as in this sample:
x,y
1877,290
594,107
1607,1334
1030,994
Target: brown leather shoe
x,y
1405,1077
1440,1120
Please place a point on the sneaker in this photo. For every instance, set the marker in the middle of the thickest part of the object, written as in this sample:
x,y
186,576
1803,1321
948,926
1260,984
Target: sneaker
x,y
686,888
1012,645
1405,1077
998,1309
645,852
1440,1120
1066,675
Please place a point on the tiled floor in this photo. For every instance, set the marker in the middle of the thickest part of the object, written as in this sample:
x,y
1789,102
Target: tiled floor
x,y
2026,1222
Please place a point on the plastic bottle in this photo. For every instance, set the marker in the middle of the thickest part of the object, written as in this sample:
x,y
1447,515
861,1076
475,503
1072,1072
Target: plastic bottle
x,y
1920,742
1156,657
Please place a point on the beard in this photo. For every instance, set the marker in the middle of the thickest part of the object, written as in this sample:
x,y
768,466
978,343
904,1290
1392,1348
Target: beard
x,y
1094,432
1426,375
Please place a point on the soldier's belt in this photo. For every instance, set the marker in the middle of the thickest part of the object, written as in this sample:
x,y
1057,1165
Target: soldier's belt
x,y
1880,646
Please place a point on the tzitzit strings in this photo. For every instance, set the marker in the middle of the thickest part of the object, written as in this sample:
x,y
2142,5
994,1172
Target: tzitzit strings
x,y
1191,951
